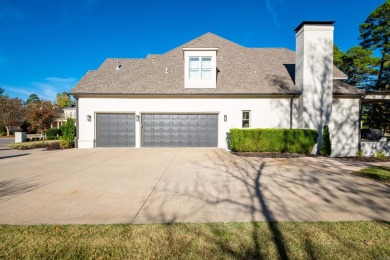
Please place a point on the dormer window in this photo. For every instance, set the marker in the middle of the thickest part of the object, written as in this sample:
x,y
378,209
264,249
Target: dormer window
x,y
200,70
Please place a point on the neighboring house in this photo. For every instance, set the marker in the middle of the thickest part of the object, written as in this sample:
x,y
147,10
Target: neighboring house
x,y
194,94
67,112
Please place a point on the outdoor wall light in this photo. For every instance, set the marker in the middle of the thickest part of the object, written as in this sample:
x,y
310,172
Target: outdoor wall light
x,y
137,118
88,117
225,118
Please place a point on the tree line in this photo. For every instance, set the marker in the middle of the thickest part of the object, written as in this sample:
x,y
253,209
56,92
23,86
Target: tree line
x,y
368,65
36,114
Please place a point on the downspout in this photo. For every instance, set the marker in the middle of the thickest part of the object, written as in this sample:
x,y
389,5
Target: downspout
x,y
360,123
291,110
78,121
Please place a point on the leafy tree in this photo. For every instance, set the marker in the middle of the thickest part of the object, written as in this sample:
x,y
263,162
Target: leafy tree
x,y
63,100
360,67
68,134
337,56
10,111
32,98
41,115
1,91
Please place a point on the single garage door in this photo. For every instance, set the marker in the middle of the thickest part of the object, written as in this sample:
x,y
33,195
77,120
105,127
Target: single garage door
x,y
179,130
115,130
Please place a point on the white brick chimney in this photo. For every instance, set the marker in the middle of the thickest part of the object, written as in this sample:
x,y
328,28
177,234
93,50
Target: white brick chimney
x,y
314,74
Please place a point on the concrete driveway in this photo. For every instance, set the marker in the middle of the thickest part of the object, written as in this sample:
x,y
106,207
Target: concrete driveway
x,y
181,185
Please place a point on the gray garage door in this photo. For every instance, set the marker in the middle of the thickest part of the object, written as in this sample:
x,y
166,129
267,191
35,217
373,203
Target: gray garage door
x,y
115,130
184,130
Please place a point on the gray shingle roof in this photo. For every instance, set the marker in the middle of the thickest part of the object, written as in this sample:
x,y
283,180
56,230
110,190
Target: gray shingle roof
x,y
340,87
236,67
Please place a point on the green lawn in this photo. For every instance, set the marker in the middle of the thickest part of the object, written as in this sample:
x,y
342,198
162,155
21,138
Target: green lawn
x,y
378,173
295,240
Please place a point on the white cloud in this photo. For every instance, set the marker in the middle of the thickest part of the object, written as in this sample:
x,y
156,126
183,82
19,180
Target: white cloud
x,y
271,9
47,89
53,85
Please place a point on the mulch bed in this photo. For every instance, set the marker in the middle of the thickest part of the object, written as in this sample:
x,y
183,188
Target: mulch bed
x,y
294,155
271,155
363,159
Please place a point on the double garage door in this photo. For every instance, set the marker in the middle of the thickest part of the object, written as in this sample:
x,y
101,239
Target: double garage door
x,y
158,130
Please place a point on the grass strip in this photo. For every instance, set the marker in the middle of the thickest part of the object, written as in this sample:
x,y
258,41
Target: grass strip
x,y
301,240
378,173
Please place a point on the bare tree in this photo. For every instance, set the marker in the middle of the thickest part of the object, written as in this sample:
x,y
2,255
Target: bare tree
x,y
10,111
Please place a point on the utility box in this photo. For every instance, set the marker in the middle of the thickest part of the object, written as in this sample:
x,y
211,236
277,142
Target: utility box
x,y
20,137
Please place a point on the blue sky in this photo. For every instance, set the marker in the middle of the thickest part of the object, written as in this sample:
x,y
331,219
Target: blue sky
x,y
46,46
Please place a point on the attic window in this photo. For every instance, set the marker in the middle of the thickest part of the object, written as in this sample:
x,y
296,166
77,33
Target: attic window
x,y
200,68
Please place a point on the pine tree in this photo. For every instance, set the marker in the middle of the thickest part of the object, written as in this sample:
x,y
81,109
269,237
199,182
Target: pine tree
x,y
326,149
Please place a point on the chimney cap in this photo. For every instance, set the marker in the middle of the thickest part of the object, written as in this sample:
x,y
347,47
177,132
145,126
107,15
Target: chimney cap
x,y
314,23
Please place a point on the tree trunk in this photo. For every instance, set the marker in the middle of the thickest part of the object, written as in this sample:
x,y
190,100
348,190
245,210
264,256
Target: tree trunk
x,y
7,128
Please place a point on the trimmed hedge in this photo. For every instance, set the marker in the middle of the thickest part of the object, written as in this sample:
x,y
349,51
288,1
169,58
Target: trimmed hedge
x,y
51,134
299,141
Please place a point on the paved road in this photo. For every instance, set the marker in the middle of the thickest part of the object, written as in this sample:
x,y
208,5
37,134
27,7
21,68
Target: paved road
x,y
4,141
145,185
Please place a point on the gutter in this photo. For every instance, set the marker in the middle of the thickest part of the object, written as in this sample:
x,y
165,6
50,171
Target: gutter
x,y
187,94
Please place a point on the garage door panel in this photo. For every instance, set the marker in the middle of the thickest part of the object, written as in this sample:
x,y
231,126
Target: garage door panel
x,y
115,130
186,130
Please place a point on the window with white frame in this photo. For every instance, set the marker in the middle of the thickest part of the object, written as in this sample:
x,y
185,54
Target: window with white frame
x,y
200,68
246,119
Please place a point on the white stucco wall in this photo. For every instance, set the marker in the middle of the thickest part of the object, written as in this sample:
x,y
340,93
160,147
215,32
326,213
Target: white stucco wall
x,y
371,148
314,76
344,127
265,113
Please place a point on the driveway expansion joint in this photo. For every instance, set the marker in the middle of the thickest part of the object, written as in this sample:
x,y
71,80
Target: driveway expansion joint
x,y
150,194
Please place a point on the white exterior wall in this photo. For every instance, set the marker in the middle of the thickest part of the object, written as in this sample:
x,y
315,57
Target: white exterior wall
x,y
314,76
344,127
265,113
371,148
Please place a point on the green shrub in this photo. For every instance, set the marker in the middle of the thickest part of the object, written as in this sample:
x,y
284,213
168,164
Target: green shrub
x,y
381,156
273,140
66,144
359,154
326,148
53,133
49,145
68,134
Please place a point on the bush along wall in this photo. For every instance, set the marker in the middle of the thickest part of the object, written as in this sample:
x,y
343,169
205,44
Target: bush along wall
x,y
277,140
326,149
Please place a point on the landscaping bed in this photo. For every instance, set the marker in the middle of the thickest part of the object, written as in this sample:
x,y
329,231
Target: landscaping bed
x,y
256,240
48,145
271,155
364,159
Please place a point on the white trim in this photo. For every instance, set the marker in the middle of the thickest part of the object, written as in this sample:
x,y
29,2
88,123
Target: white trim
x,y
200,49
